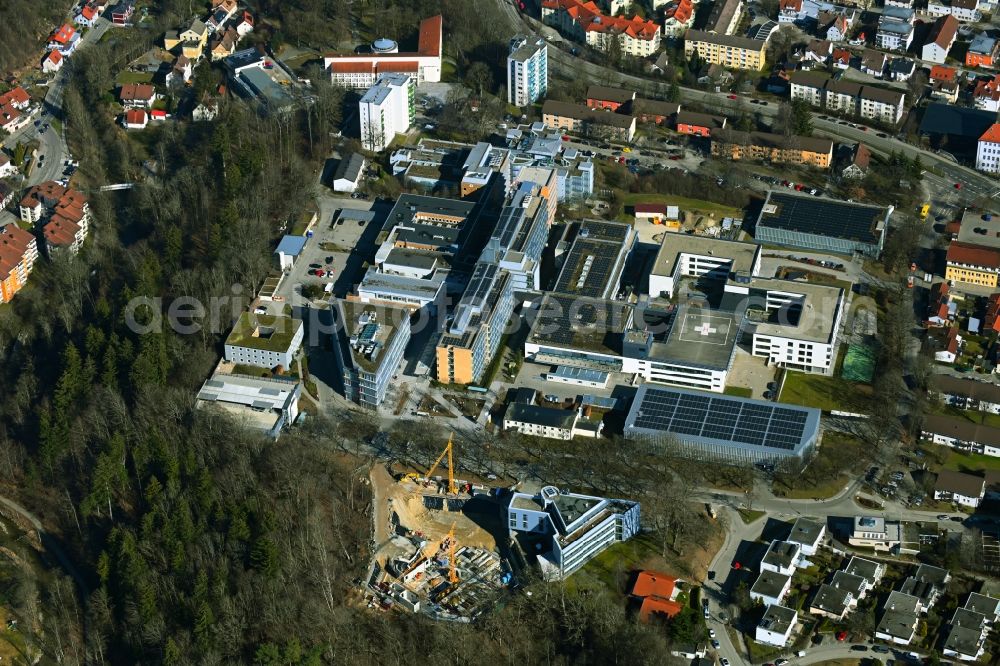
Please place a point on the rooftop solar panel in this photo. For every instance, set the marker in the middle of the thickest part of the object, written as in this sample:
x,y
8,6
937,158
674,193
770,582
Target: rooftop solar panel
x,y
826,217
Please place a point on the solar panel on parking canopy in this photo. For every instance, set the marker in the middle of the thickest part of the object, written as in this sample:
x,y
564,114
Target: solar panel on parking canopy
x,y
735,420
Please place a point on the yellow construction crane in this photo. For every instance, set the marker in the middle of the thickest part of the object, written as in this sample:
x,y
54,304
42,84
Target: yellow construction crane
x,y
452,489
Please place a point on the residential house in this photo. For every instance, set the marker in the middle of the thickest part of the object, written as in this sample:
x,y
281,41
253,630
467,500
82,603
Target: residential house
x,y
205,112
873,63
831,602
986,95
966,635
776,627
946,346
781,557
121,13
86,17
898,624
224,44
220,15
988,607
881,104
961,434
181,70
808,533
583,21
875,532
836,25
52,62
895,29
941,308
856,585
245,25
944,83
609,99
861,158
348,174
959,488
137,96
789,11
775,148
699,124
901,69
818,50
658,593
941,39
65,40
969,393
724,17
7,168
870,570
770,588
962,10
841,59
992,319
581,119
18,253
193,40
926,585
678,18
982,51
726,50
135,119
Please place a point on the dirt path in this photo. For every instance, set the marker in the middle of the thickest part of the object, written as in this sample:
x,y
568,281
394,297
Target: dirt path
x,y
381,482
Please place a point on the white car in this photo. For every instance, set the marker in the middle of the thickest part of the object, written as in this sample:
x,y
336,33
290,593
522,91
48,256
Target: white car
x,y
711,633
724,661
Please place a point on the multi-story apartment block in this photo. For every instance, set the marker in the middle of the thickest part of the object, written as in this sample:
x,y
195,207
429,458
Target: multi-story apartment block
x,y
808,86
869,102
988,150
895,29
580,526
777,148
885,106
63,212
361,70
961,434
527,70
369,345
724,17
678,17
966,11
583,21
18,253
941,39
973,256
726,50
264,341
387,109
982,51
581,119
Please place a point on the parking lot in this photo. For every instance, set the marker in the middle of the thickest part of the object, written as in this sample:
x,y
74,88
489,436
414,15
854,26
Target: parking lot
x,y
338,247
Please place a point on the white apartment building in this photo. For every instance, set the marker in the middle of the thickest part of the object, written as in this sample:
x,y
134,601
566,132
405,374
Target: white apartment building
x,y
988,150
895,29
808,86
580,526
770,588
882,105
385,110
361,70
264,341
527,71
966,11
776,626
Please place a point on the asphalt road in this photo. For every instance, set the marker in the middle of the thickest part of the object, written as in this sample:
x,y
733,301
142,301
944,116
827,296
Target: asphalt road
x,y
974,184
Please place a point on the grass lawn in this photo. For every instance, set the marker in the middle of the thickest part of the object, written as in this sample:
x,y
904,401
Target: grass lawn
x,y
739,391
685,204
133,77
828,473
970,462
620,558
748,516
822,392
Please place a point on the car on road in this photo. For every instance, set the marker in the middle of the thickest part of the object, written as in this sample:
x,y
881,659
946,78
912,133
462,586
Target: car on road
x,y
841,636
943,516
780,662
329,274
731,96
859,648
318,272
329,260
958,519
880,649
565,137
763,103
716,644
711,575
711,633
315,266
724,662
704,608
882,135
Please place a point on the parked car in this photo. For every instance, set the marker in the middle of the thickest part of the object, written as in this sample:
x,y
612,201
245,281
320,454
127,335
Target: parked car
x,y
880,649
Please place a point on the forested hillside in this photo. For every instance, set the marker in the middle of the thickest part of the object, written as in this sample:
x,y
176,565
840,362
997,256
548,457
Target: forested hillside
x,y
24,26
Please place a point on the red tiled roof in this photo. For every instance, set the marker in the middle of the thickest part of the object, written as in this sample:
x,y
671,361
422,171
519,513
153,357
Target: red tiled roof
x,y
14,244
54,56
973,255
862,156
158,114
943,32
992,134
429,43
17,97
63,35
841,55
657,605
654,583
136,91
88,12
942,73
399,66
135,117
794,5
352,67
680,12
653,209
988,88
591,19
992,310
60,232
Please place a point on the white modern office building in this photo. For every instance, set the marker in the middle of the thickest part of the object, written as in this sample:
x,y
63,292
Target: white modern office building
x,y
264,405
369,344
527,70
264,341
387,109
576,527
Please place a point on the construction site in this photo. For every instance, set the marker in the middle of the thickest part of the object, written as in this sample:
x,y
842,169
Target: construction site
x,y
435,545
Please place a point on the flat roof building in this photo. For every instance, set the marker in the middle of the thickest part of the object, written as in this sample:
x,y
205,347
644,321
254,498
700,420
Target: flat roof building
x,y
369,341
808,534
770,587
595,262
575,527
832,602
826,225
900,616
264,341
776,627
265,405
726,428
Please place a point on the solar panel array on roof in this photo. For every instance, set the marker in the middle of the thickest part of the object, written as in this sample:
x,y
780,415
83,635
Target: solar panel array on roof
x,y
807,214
595,261
727,419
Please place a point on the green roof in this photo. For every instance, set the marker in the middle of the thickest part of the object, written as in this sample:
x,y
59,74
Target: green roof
x,y
264,332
